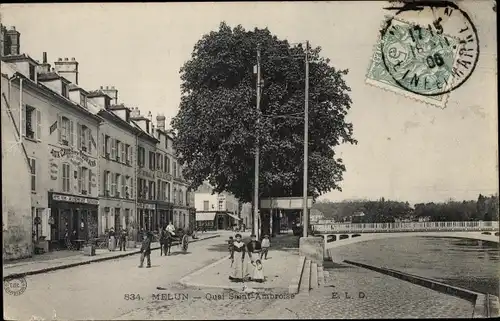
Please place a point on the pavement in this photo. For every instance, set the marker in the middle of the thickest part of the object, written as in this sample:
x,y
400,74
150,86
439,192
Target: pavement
x,y
194,285
66,259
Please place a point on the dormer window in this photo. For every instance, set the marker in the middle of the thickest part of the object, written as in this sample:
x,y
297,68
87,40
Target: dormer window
x,y
64,89
32,75
83,100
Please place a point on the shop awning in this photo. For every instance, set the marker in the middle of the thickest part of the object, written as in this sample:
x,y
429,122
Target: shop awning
x,y
205,216
234,216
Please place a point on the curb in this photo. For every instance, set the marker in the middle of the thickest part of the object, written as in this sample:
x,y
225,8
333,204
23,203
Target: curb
x,y
482,302
108,258
293,288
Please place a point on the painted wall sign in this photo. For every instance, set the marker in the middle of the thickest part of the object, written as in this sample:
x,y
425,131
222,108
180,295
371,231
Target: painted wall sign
x,y
146,173
163,175
53,169
74,199
75,157
146,206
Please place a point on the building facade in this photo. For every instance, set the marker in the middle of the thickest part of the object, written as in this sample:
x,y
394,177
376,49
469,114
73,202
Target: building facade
x,y
164,178
216,211
117,166
17,181
145,172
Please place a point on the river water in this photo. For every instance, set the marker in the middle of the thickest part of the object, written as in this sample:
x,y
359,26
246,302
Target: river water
x,y
469,264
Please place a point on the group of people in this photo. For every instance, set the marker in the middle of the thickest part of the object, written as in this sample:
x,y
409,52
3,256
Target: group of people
x,y
246,259
117,238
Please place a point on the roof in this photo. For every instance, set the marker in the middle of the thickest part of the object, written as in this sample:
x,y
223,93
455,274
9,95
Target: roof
x,y
52,76
11,58
73,87
97,93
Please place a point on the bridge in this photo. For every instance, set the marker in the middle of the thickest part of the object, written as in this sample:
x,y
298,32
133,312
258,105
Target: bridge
x,y
341,234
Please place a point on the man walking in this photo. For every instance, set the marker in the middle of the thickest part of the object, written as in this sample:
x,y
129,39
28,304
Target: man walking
x,y
123,239
146,250
266,244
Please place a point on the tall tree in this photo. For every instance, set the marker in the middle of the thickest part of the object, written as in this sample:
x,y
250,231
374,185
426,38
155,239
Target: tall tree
x,y
216,128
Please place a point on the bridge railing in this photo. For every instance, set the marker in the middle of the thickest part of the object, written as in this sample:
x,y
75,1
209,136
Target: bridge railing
x,y
406,227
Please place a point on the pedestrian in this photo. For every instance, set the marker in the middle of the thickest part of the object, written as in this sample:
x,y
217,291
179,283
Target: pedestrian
x,y
258,272
266,244
253,248
238,260
112,239
230,244
146,250
123,239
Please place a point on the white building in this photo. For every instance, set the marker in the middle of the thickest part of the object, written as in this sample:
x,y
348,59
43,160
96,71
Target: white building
x,y
215,211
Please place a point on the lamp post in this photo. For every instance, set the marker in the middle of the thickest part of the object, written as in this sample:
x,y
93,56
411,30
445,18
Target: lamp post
x,y
306,142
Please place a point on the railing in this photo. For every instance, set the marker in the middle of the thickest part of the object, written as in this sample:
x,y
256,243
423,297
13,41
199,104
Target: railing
x,y
406,227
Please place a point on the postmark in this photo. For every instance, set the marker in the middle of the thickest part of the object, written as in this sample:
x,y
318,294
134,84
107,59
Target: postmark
x,y
15,286
425,51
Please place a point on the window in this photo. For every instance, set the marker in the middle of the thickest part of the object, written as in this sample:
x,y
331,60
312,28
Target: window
x,y
32,72
168,192
117,185
66,131
32,126
124,153
107,146
151,190
124,186
152,161
175,169
84,180
128,190
159,161
221,205
141,156
84,141
64,89
175,195
206,205
127,157
187,198
140,190
113,185
158,192
107,183
83,100
65,177
118,147
33,174
113,148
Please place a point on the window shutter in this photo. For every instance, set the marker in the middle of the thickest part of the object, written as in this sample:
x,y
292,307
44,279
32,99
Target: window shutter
x,y
89,141
78,136
38,125
71,133
23,121
90,182
103,145
123,186
59,124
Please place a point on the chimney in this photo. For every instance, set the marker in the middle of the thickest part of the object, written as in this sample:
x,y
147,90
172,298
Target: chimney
x,y
12,42
160,122
44,67
134,113
67,69
111,92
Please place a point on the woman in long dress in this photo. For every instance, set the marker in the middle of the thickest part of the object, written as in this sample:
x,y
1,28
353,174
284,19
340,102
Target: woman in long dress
x,y
239,251
112,240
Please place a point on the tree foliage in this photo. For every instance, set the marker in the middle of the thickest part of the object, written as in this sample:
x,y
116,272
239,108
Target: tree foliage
x,y
216,129
485,208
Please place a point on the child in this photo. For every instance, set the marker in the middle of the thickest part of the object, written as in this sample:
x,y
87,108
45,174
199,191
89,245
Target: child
x,y
230,244
146,250
258,272
266,244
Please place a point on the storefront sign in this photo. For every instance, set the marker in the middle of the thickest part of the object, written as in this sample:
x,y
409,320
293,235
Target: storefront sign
x,y
75,156
146,206
163,175
145,173
74,199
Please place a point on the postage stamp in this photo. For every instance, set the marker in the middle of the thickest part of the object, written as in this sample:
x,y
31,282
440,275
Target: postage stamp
x,y
15,286
425,56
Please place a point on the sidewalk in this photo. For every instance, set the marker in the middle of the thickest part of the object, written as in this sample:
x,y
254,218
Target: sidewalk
x,y
279,269
46,264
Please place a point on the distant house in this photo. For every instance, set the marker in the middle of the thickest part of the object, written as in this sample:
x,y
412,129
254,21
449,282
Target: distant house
x,y
424,219
315,216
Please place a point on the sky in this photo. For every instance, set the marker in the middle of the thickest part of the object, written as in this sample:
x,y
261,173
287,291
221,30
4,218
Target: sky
x,y
407,150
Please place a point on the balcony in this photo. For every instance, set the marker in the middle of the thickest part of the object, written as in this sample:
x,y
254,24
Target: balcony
x,y
84,192
65,142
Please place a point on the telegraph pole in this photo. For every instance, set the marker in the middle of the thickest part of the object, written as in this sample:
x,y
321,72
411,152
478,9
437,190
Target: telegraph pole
x,y
305,215
256,187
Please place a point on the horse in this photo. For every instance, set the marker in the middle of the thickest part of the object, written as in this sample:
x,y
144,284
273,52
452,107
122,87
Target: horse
x,y
165,243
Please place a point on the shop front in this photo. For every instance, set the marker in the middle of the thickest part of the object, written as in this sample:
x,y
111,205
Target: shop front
x,y
146,213
205,220
163,214
72,218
